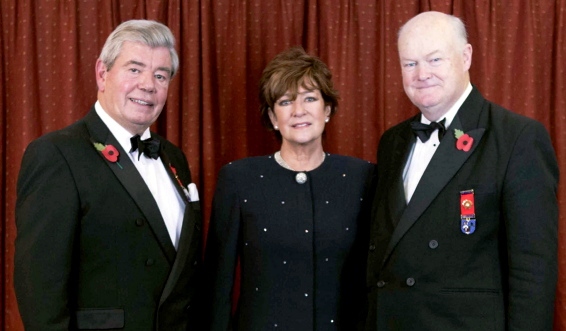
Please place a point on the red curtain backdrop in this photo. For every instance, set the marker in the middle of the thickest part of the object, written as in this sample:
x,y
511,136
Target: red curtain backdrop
x,y
49,48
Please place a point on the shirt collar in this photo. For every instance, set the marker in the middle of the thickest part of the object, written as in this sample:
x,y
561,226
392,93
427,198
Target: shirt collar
x,y
120,133
449,116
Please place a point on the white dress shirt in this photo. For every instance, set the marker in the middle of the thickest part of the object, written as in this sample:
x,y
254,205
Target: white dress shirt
x,y
170,203
422,153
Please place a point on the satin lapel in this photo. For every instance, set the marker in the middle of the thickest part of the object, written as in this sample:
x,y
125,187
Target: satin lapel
x,y
401,149
132,181
443,166
190,225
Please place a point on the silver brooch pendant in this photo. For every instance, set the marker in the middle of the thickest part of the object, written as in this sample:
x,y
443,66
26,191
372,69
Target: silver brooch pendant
x,y
301,178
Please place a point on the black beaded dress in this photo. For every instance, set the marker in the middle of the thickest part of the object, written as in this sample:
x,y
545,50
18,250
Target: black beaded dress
x,y
301,246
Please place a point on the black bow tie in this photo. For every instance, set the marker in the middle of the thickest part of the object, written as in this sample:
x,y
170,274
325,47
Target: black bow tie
x,y
423,131
149,147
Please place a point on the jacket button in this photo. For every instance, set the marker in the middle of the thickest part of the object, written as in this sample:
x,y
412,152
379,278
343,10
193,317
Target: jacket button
x,y
149,262
433,244
410,281
372,247
139,222
380,283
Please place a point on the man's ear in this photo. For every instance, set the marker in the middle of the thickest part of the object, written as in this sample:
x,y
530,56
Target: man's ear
x,y
101,72
467,57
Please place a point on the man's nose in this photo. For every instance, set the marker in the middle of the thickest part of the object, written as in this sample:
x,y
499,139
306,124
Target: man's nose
x,y
146,82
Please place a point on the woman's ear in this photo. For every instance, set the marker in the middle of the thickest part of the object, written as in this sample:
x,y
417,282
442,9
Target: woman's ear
x,y
273,118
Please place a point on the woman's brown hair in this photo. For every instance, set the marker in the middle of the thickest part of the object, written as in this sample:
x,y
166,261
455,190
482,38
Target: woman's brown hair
x,y
289,70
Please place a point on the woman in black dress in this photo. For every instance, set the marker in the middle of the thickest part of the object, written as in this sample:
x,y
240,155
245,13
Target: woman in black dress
x,y
292,218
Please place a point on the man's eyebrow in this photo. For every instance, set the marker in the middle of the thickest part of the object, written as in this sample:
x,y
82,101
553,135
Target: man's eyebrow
x,y
433,53
166,69
141,64
404,58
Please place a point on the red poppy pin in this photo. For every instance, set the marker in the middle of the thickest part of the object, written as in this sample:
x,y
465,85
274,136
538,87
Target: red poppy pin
x,y
464,142
109,152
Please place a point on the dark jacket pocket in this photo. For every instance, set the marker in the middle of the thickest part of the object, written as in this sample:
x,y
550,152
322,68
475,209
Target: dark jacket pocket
x,y
92,319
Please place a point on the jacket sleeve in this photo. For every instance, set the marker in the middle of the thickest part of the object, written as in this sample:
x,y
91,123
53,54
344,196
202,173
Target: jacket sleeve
x,y
47,213
530,212
222,252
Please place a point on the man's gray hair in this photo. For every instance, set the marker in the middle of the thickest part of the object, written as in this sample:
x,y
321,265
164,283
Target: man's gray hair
x,y
147,32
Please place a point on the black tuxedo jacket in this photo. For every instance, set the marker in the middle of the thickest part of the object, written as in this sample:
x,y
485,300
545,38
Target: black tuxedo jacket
x,y
92,250
424,272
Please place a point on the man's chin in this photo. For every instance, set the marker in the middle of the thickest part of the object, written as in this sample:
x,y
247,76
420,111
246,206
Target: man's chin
x,y
425,103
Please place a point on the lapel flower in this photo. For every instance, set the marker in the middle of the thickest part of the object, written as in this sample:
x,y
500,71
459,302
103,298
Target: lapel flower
x,y
109,152
464,142
174,171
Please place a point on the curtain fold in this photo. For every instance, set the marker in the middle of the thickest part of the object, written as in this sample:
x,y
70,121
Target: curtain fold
x,y
49,49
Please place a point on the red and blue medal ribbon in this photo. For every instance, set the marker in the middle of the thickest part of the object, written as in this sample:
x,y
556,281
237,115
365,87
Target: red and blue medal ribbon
x,y
467,212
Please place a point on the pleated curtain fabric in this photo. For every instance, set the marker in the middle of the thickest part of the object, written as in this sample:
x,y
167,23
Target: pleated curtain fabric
x,y
49,48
